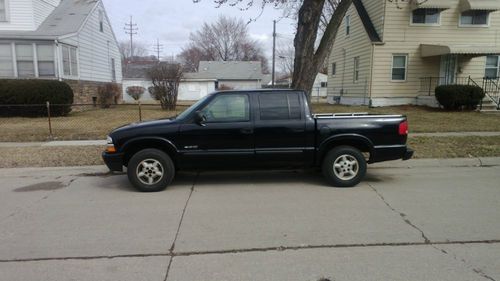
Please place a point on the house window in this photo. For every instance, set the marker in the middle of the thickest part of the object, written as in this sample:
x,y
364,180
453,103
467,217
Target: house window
x,y
334,69
101,21
45,55
324,84
3,10
347,25
113,70
474,17
24,58
356,69
399,64
425,16
70,62
492,67
6,64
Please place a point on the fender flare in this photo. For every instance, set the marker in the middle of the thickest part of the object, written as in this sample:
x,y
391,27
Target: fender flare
x,y
322,148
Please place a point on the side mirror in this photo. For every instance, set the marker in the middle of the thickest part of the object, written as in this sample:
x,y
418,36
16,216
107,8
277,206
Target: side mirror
x,y
199,118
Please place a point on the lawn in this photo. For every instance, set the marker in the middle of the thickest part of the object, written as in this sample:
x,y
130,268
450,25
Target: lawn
x,y
426,119
425,147
95,123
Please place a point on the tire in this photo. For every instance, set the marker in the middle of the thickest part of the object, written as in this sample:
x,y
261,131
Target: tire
x,y
344,166
150,170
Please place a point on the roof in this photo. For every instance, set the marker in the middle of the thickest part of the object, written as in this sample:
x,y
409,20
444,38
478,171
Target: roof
x,y
140,71
427,50
231,70
367,22
67,18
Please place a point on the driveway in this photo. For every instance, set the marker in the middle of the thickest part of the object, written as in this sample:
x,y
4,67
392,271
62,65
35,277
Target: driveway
x,y
429,222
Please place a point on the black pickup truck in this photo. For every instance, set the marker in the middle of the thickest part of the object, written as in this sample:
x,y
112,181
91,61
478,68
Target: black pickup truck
x,y
260,129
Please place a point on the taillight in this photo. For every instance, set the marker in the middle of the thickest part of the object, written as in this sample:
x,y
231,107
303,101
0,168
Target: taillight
x,y
403,128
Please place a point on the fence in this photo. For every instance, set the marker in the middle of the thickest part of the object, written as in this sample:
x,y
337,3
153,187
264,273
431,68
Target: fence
x,y
84,122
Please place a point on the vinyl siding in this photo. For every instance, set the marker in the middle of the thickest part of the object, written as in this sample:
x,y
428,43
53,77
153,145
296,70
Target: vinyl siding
x,y
375,9
96,49
402,37
19,15
41,9
357,44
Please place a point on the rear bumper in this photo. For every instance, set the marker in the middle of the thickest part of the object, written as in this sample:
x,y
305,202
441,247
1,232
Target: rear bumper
x,y
114,161
388,153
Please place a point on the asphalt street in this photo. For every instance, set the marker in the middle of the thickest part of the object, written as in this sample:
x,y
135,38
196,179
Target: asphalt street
x,y
422,220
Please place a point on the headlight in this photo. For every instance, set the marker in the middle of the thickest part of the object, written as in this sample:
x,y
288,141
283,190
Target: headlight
x,y
110,147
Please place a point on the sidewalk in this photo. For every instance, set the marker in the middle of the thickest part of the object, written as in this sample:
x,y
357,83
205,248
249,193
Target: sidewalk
x,y
103,142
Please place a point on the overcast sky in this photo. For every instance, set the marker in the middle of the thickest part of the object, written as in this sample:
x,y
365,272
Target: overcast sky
x,y
171,21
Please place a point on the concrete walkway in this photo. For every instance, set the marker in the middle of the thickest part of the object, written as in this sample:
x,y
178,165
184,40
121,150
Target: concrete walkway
x,y
103,142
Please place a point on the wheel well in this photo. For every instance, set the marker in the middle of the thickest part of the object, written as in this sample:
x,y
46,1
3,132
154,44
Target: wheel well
x,y
135,147
356,143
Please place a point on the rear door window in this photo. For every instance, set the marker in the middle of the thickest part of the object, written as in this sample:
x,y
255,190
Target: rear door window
x,y
279,106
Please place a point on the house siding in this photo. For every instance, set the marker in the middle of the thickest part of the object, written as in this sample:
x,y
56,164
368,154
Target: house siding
x,y
402,37
20,16
96,49
375,9
41,9
357,44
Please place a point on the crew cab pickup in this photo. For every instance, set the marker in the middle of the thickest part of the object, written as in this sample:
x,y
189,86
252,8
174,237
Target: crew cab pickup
x,y
263,129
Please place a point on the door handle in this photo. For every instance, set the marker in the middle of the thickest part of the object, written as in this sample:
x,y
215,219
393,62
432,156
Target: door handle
x,y
246,131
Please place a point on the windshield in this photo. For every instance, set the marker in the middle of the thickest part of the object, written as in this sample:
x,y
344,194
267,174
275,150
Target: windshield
x,y
190,109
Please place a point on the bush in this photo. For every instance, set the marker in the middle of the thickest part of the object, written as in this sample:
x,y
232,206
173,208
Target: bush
x,y
135,92
454,97
108,94
34,92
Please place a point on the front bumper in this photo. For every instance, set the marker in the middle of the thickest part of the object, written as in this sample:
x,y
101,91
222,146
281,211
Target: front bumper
x,y
114,161
388,153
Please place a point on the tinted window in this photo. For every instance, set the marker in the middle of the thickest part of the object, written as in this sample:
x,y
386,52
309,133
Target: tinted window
x,y
279,106
228,108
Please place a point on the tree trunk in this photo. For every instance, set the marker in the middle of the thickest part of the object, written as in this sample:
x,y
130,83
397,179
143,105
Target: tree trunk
x,y
308,62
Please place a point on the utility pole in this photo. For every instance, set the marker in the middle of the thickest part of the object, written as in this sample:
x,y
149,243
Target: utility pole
x,y
158,48
131,29
274,52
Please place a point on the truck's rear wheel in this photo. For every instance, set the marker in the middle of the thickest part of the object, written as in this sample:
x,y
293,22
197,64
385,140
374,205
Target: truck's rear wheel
x,y
344,166
150,170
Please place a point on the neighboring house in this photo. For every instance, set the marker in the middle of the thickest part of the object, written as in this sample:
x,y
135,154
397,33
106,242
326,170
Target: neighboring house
x,y
70,40
211,76
319,88
388,54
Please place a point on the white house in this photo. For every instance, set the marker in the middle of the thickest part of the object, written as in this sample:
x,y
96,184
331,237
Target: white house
x,y
238,75
70,40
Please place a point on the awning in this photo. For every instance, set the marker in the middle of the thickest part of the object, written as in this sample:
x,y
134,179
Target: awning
x,y
474,50
485,5
432,4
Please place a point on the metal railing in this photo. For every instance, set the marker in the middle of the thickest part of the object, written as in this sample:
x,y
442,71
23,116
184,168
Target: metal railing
x,y
83,122
429,84
492,90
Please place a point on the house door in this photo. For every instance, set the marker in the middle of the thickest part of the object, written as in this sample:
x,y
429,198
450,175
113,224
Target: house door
x,y
448,69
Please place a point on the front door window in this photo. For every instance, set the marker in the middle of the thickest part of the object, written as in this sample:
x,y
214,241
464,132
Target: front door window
x,y
448,69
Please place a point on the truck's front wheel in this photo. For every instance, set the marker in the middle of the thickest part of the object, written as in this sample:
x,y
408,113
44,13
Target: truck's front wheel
x,y
150,170
344,166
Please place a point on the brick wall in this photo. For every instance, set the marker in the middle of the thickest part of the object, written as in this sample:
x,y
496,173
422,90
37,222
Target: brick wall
x,y
86,91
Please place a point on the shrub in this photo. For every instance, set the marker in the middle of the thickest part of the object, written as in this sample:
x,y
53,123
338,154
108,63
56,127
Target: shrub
x,y
135,92
108,94
454,97
34,92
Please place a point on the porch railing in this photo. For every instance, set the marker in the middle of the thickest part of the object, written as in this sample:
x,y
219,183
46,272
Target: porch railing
x,y
490,86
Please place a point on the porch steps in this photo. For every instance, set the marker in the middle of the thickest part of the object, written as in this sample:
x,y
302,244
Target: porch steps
x,y
489,106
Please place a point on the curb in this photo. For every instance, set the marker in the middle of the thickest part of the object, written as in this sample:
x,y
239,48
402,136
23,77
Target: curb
x,y
447,162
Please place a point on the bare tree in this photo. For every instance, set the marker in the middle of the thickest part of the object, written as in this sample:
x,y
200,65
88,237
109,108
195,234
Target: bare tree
x,y
226,39
140,51
285,56
165,79
135,92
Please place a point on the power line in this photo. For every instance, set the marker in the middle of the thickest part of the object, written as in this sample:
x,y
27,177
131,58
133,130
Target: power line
x,y
158,48
131,29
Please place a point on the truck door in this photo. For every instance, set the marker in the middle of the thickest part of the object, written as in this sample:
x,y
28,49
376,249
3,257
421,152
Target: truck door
x,y
226,139
279,129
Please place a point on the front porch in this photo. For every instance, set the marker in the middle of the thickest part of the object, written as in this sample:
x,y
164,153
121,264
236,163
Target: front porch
x,y
490,87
